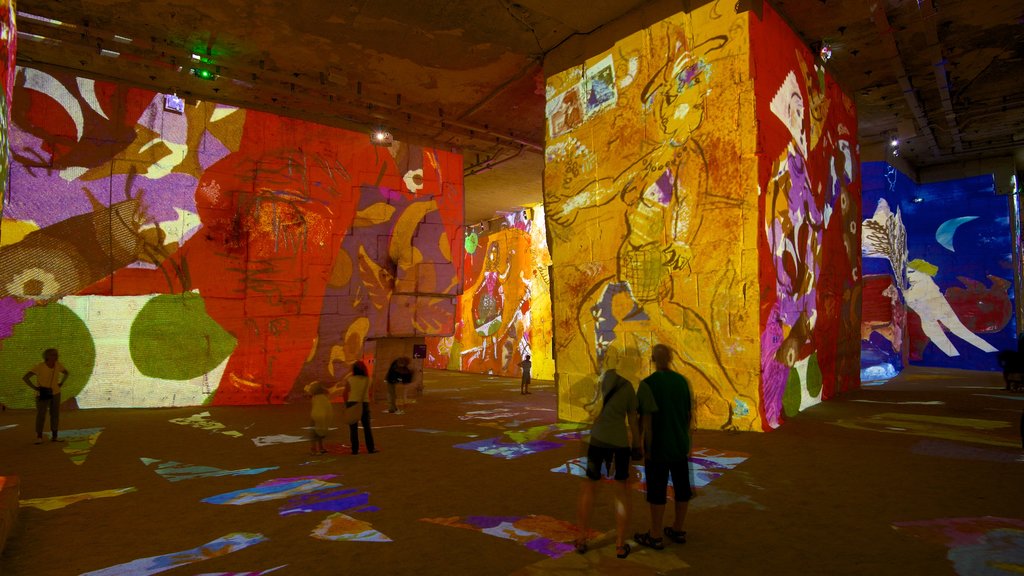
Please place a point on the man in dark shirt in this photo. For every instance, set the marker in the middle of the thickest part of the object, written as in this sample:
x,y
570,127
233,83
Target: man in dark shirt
x,y
668,452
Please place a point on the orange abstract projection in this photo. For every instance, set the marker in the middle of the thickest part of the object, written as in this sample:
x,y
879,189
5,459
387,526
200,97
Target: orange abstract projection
x,y
738,248
221,255
650,195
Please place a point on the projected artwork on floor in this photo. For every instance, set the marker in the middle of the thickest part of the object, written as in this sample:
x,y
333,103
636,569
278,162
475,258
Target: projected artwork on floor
x,y
176,471
543,534
938,273
202,421
328,499
258,573
58,502
341,528
508,450
706,465
975,430
214,256
156,564
977,546
78,443
276,489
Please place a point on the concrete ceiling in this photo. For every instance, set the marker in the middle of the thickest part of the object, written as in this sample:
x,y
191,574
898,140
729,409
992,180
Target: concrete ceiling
x,y
944,76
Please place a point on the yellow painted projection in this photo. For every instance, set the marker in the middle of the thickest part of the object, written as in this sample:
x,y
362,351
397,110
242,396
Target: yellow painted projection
x,y
540,299
651,201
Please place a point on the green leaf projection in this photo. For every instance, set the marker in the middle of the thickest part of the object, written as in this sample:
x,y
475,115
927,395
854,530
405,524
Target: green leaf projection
x,y
49,326
173,338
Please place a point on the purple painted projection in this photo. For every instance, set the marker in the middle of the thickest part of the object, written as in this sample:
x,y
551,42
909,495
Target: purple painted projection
x,y
495,447
277,489
156,564
543,534
176,471
330,500
986,546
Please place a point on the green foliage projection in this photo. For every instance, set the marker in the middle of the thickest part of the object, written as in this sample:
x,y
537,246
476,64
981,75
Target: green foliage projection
x,y
173,338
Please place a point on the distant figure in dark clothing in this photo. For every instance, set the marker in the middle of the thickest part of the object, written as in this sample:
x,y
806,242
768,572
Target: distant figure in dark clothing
x,y
50,376
398,373
669,449
358,388
526,365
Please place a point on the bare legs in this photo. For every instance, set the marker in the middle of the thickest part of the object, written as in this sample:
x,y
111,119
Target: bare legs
x,y
585,506
658,518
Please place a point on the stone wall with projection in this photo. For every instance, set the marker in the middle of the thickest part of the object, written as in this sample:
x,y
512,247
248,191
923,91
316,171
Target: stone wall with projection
x,y
504,313
938,264
219,255
701,190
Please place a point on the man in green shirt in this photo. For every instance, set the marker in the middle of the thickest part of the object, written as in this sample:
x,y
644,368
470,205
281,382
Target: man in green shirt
x,y
668,448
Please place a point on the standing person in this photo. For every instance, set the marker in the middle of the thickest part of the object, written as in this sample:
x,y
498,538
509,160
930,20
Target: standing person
x,y
526,364
610,442
669,451
50,376
321,413
358,385
398,373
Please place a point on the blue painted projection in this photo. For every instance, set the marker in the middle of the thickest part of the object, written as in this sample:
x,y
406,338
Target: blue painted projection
x,y
331,500
156,564
277,489
938,273
176,471
495,447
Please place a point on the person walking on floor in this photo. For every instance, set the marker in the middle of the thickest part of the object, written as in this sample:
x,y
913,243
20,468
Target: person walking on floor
x,y
526,364
321,414
610,442
398,373
50,377
668,452
358,385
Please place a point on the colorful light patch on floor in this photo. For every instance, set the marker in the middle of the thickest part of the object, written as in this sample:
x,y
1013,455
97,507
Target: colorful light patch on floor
x,y
78,443
977,546
277,489
960,429
329,500
156,564
202,422
706,465
542,432
262,441
8,427
176,471
341,528
544,534
445,432
495,447
58,502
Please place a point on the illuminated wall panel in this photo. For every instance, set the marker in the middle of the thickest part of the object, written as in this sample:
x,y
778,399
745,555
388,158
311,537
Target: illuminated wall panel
x,y
942,253
504,311
8,49
809,236
651,202
221,255
702,191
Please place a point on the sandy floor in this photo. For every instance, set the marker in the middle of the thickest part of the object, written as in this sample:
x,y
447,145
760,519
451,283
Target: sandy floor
x,y
893,479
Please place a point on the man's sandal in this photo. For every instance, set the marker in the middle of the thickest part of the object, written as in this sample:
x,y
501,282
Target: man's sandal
x,y
645,539
622,551
677,536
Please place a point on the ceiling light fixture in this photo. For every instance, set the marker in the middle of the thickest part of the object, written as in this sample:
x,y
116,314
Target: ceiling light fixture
x,y
825,52
381,137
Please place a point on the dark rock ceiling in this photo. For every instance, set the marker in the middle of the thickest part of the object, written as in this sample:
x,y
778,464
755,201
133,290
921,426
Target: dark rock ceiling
x,y
944,76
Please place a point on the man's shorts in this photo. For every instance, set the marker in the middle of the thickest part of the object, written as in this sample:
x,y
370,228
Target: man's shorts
x,y
601,456
657,481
